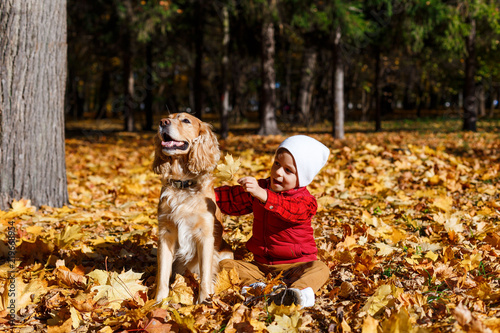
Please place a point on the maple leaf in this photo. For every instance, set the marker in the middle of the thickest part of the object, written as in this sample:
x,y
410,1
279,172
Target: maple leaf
x,y
18,208
384,249
444,203
116,287
187,321
180,292
227,170
227,280
400,322
431,255
25,292
384,296
471,261
288,319
69,234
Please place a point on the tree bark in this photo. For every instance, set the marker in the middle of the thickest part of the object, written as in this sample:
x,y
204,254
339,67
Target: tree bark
x,y
33,78
481,98
338,87
470,100
495,96
378,104
197,77
224,119
128,72
103,93
287,89
306,83
268,123
148,101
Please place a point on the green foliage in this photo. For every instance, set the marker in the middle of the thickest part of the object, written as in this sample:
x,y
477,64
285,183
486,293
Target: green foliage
x,y
155,16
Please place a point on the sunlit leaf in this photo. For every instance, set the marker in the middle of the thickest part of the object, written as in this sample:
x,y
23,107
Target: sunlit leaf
x,y
228,169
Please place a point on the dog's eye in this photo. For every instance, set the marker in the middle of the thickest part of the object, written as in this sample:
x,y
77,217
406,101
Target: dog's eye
x,y
185,120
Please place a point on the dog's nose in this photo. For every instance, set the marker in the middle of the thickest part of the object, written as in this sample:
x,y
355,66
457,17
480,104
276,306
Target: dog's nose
x,y
164,122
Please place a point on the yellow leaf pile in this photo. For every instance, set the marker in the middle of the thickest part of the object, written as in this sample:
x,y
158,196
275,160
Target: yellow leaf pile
x,y
408,223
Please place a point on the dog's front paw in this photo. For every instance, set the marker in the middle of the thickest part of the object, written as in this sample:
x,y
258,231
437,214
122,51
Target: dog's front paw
x,y
202,297
160,295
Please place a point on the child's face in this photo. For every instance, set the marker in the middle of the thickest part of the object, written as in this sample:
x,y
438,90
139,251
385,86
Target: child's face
x,y
283,172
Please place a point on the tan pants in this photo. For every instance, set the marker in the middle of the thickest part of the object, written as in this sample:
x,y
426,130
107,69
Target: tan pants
x,y
299,275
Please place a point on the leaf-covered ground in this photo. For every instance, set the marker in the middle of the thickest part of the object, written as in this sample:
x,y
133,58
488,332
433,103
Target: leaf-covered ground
x,y
409,224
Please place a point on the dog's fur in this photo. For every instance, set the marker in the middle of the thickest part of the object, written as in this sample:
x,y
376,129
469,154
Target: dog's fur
x,y
189,221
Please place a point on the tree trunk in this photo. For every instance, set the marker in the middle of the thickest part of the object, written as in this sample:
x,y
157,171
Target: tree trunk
x,y
287,89
378,104
224,125
338,87
128,86
103,93
495,96
197,77
74,99
470,100
366,103
148,100
481,97
268,124
33,71
306,83
128,72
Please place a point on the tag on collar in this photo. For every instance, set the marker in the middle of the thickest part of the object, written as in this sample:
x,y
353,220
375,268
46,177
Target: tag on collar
x,y
181,184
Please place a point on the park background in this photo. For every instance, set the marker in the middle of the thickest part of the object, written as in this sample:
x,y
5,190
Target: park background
x,y
404,93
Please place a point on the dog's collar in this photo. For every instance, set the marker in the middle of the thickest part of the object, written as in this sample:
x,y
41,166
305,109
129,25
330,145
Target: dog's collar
x,y
182,183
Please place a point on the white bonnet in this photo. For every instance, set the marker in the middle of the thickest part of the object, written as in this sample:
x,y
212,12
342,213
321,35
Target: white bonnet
x,y
309,154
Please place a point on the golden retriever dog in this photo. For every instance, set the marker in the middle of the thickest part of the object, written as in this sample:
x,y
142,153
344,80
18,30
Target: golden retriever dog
x,y
189,221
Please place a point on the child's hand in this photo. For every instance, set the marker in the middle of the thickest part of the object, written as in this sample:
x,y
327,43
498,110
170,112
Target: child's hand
x,y
251,186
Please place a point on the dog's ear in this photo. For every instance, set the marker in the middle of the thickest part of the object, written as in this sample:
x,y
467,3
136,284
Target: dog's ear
x,y
161,163
204,153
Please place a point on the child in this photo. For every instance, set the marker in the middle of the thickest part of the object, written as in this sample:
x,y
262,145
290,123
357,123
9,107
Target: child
x,y
282,236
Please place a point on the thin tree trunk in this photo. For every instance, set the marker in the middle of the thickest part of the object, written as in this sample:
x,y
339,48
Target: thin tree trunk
x,y
338,84
306,83
481,97
128,72
378,105
197,78
496,94
287,89
470,100
103,93
366,103
148,101
224,119
33,70
268,124
128,86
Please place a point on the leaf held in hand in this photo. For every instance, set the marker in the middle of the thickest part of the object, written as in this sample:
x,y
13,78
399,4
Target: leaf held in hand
x,y
227,170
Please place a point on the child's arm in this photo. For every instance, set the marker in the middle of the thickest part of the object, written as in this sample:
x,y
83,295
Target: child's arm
x,y
233,200
294,210
251,186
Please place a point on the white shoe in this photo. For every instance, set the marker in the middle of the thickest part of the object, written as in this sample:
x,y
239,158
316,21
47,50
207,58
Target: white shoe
x,y
307,297
304,298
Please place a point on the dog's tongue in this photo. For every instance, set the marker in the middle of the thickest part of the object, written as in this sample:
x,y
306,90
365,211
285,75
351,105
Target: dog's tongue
x,y
170,144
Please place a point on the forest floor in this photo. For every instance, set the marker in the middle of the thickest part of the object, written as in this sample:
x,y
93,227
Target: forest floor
x,y
408,222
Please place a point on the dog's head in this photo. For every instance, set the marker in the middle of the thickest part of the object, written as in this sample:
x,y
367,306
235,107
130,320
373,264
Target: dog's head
x,y
188,140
